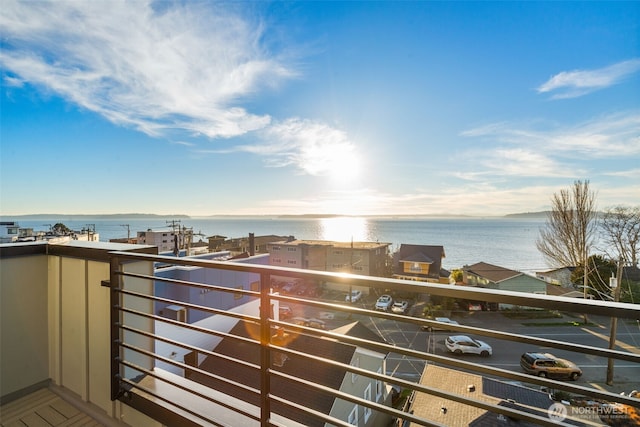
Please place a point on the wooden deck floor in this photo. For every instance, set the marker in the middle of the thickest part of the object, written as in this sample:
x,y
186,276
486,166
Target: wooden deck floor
x,y
43,408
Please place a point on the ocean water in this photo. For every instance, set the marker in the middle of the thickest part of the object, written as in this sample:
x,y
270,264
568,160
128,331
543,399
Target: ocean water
x,y
506,242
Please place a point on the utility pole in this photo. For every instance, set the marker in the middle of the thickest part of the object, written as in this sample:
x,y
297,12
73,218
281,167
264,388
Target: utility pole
x,y
175,229
614,322
128,232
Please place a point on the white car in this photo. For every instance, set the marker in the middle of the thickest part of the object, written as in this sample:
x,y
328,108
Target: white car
x,y
384,303
354,297
445,320
459,344
400,307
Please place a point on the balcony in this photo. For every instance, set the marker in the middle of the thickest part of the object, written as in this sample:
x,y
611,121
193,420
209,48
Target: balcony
x,y
96,330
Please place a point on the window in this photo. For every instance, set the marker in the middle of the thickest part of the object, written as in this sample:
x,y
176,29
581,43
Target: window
x,y
338,252
275,248
292,249
366,409
353,416
292,261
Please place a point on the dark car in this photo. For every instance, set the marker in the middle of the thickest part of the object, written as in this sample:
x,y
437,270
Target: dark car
x,y
547,365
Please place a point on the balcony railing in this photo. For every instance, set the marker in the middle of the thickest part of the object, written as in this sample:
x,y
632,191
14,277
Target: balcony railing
x,y
239,363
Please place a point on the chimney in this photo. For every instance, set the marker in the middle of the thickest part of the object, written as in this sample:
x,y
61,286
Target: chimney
x,y
252,245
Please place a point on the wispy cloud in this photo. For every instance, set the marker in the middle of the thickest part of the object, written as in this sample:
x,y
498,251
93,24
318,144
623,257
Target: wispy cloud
x,y
544,150
611,136
179,67
572,84
174,70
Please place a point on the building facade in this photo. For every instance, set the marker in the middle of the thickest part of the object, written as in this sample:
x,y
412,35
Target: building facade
x,y
365,258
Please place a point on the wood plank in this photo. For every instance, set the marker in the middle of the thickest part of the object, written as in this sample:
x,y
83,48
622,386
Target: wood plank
x,y
12,410
18,408
34,420
15,423
65,408
80,420
50,415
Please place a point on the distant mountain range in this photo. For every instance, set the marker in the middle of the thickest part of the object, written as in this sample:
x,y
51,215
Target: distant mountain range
x,y
93,216
542,214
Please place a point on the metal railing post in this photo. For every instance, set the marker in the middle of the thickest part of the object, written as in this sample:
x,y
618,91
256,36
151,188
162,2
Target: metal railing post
x,y
115,301
265,354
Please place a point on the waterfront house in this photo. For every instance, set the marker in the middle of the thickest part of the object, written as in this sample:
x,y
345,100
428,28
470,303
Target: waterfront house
x,y
251,245
363,258
421,263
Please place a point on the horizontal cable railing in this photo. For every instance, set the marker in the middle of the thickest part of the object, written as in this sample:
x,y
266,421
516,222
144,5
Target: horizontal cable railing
x,y
252,367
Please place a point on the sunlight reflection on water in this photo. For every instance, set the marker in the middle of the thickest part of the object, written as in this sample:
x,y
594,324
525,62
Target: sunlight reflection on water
x,y
344,229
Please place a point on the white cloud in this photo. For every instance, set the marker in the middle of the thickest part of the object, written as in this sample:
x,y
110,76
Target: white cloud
x,y
312,147
181,67
572,84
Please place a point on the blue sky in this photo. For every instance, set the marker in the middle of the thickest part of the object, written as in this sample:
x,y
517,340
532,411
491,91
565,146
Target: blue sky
x,y
360,108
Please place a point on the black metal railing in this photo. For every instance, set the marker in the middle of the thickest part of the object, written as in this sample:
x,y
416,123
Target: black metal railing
x,y
254,359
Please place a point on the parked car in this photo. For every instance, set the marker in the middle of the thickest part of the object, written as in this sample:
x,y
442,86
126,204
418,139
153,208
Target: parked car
x,y
289,288
444,320
400,307
459,344
311,323
548,365
384,303
355,296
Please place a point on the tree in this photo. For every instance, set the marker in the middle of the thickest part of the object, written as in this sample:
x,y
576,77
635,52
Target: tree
x,y
570,229
599,270
60,229
621,233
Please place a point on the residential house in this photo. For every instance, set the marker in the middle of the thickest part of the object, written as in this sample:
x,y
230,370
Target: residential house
x,y
240,350
443,411
422,263
209,276
557,276
363,258
490,276
163,238
251,244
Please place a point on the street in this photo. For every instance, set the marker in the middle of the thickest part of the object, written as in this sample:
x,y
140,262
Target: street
x,y
506,354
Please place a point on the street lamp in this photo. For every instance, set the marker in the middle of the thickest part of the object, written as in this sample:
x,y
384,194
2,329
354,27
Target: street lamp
x,y
615,283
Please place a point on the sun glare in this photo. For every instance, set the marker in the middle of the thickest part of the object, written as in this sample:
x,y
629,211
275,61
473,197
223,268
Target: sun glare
x,y
344,170
344,229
